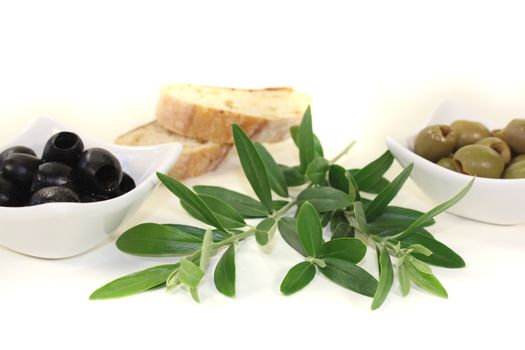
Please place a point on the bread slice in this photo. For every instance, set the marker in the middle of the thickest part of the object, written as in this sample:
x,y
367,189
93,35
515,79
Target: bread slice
x,y
207,113
197,157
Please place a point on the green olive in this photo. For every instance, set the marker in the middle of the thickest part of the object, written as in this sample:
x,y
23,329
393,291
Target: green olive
x,y
435,142
447,162
518,158
497,145
469,132
497,133
514,135
479,160
515,171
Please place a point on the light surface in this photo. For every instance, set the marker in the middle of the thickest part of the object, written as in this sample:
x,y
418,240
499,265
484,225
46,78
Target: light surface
x,y
373,69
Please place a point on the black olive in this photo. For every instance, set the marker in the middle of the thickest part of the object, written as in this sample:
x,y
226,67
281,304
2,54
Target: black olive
x,y
21,169
53,194
54,174
64,147
127,184
14,149
11,195
99,171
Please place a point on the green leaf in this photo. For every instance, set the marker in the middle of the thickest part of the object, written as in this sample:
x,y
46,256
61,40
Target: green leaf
x,y
379,204
306,140
441,254
265,231
190,274
349,249
343,230
421,266
350,276
404,279
293,175
275,176
342,180
360,217
316,171
378,187
253,166
294,132
224,275
298,277
134,283
372,174
426,281
206,251
227,215
151,239
396,218
422,220
386,279
325,198
309,229
288,229
199,233
245,205
192,200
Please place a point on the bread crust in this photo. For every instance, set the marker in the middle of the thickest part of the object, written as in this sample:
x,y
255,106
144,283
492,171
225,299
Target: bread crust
x,y
195,159
207,123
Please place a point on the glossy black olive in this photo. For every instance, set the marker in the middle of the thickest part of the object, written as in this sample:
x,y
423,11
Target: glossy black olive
x,y
99,171
127,184
21,169
14,149
64,147
54,174
53,194
11,195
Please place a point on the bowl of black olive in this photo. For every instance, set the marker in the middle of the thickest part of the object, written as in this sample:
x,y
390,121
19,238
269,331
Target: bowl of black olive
x,y
63,193
456,145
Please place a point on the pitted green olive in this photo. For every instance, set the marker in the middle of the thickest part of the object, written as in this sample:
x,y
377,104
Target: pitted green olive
x,y
447,162
514,135
435,142
469,132
518,158
479,160
515,171
497,145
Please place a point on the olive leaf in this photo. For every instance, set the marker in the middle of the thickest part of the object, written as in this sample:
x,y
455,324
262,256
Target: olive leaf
x,y
324,198
253,166
190,275
372,174
265,231
224,276
225,213
306,140
342,180
404,279
309,229
386,279
316,171
349,249
422,220
275,176
245,205
294,132
381,201
134,283
350,276
426,281
150,239
192,201
441,254
288,230
298,277
292,175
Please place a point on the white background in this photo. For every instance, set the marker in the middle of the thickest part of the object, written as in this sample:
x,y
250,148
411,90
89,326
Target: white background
x,y
373,68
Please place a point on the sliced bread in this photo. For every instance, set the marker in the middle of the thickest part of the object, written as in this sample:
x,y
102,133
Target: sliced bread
x,y
197,157
207,113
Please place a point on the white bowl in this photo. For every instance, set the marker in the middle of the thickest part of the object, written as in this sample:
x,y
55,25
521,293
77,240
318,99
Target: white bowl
x,y
495,201
58,230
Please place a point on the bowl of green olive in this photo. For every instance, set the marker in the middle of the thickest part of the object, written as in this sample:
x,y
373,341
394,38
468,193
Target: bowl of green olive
x,y
453,148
